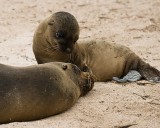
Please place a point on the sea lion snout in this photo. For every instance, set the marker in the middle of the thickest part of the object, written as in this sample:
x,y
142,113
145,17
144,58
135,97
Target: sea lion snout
x,y
88,84
86,79
65,46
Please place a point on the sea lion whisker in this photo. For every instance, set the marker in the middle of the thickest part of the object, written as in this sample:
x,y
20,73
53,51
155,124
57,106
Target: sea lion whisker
x,y
56,47
50,53
46,49
52,48
89,81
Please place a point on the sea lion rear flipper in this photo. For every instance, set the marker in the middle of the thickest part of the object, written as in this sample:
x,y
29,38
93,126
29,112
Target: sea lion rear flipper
x,y
131,76
150,73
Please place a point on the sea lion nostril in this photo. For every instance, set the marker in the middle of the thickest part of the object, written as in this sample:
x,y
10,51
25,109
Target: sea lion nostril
x,y
64,66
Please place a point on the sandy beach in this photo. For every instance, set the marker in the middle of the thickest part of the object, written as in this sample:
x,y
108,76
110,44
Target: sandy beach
x,y
133,23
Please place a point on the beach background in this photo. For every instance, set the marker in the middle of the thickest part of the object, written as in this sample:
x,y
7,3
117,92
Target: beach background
x,y
133,23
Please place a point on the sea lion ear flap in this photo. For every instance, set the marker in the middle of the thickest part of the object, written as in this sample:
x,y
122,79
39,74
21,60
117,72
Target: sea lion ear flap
x,y
51,23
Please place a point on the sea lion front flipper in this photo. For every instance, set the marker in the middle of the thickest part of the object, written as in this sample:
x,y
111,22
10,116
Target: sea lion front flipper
x,y
132,76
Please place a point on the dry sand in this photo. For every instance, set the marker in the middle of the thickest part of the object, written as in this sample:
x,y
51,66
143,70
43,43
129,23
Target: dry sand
x,y
133,23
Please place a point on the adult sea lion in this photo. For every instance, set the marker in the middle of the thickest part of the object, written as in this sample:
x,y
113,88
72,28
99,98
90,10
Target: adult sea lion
x,y
106,61
35,92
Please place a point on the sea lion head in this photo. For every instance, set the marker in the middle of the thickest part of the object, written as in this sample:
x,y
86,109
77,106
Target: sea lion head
x,y
64,31
84,80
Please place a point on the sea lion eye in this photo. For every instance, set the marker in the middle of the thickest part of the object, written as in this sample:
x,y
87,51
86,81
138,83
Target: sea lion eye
x,y
64,66
85,69
59,35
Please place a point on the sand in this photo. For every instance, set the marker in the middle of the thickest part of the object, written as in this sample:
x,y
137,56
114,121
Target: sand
x,y
133,23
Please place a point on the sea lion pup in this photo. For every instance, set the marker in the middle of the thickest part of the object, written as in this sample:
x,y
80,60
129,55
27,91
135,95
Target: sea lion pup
x,y
35,92
55,37
106,61
109,61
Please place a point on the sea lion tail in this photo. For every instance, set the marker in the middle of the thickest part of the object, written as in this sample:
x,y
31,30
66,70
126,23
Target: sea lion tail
x,y
148,72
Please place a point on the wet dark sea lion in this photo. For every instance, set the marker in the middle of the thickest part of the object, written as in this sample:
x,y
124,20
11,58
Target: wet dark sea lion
x,y
35,92
105,60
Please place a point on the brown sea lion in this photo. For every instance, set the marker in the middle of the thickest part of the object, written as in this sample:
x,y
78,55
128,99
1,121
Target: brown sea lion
x,y
35,92
54,35
105,60
112,61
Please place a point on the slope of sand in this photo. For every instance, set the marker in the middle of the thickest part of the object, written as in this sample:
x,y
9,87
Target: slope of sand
x,y
135,24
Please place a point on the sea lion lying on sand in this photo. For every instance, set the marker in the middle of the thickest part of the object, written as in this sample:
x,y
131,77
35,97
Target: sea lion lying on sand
x,y
39,91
